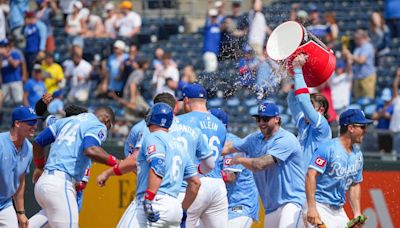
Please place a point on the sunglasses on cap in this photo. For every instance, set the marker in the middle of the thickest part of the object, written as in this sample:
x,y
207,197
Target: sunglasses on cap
x,y
263,118
30,122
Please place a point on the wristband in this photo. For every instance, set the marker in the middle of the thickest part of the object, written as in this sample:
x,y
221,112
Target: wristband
x,y
116,170
149,195
40,162
199,171
301,91
111,161
224,175
80,186
20,212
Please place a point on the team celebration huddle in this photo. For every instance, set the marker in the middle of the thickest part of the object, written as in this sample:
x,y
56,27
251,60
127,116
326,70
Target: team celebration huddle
x,y
191,172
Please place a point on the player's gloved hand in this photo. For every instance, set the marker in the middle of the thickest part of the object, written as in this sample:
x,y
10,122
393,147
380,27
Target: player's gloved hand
x,y
151,214
80,186
183,220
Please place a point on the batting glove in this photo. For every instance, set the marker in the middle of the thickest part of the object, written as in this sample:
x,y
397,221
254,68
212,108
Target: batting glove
x,y
151,214
183,221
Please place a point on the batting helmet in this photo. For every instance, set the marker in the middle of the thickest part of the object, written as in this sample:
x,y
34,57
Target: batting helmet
x,y
161,115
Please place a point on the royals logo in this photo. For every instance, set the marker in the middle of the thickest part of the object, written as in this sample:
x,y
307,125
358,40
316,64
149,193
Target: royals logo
x,y
151,149
228,161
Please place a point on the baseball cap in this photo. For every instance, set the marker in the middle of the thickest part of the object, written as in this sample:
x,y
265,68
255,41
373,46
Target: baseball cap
x,y
302,14
119,44
37,67
353,116
78,4
340,64
213,12
4,42
30,14
267,109
126,5
386,94
193,91
109,6
220,114
58,93
161,114
218,4
24,113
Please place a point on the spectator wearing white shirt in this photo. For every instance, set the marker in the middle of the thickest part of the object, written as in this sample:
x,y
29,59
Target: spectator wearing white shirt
x,y
169,70
77,71
109,23
129,25
395,120
93,25
258,28
341,82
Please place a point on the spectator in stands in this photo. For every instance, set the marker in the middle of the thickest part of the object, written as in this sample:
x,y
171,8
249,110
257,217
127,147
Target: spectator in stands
x,y
77,72
258,28
315,26
24,67
129,25
45,12
232,33
392,16
16,20
93,24
395,120
110,20
380,34
247,67
56,106
67,7
35,35
134,104
302,17
383,114
188,77
74,24
53,73
3,24
219,6
212,38
168,70
332,34
341,82
34,88
265,84
10,64
364,71
114,63
157,61
131,63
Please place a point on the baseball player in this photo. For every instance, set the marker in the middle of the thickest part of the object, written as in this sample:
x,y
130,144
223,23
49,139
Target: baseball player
x,y
276,160
75,141
162,166
242,191
15,158
211,204
309,113
40,218
336,168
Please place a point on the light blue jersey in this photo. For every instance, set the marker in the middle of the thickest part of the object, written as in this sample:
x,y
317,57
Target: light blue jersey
x,y
213,131
283,182
242,194
178,165
316,129
66,152
338,170
194,145
13,164
135,137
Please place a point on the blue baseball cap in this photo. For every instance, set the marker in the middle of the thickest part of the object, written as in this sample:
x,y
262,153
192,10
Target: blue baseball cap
x,y
353,116
267,109
58,93
220,114
23,114
193,91
4,42
161,114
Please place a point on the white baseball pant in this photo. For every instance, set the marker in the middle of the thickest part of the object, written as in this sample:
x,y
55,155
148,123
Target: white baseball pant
x,y
39,220
286,216
55,192
8,217
170,213
210,205
330,216
240,222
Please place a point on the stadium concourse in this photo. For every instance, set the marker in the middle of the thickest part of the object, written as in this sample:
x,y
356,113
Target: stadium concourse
x,y
122,53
